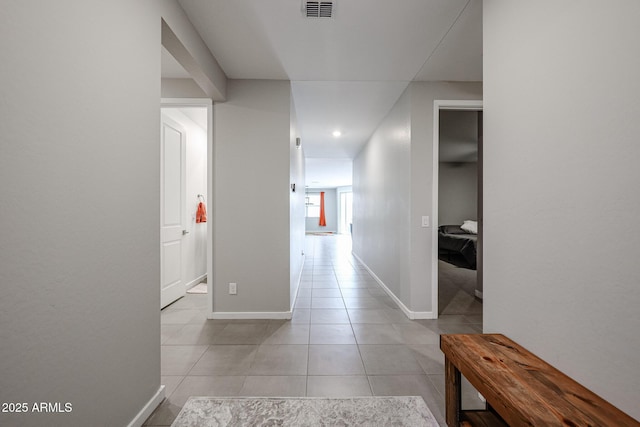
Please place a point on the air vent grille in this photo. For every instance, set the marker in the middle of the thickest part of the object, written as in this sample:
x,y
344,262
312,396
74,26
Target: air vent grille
x,y
318,9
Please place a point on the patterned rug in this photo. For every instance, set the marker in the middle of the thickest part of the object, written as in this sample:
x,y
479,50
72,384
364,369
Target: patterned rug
x,y
409,411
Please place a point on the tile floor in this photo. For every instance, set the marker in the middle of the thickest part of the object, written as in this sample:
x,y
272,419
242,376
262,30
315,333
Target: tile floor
x,y
456,290
346,338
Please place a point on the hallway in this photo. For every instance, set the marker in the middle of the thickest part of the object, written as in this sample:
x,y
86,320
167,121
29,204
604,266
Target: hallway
x,y
346,338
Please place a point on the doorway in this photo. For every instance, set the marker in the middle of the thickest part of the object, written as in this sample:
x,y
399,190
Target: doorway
x,y
191,263
345,214
457,208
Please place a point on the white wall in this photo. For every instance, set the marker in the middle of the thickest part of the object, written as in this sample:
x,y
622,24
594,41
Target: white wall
x,y
382,200
330,212
181,88
561,172
457,193
393,189
182,40
194,244
79,268
296,206
423,95
252,156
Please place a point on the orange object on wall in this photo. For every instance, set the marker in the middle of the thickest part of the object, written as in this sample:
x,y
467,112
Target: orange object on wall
x,y
201,213
323,220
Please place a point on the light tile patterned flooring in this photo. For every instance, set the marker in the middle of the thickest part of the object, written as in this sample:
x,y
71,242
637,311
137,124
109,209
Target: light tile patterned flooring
x,y
346,338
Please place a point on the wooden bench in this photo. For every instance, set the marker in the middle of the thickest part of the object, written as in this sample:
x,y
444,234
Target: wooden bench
x,y
520,388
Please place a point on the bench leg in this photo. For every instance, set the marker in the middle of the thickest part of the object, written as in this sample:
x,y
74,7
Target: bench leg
x,y
453,385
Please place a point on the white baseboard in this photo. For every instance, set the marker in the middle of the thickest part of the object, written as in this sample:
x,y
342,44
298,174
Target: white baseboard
x,y
146,411
293,300
478,294
195,281
251,315
413,315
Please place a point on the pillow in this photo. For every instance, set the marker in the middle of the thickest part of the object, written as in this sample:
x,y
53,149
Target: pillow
x,y
470,226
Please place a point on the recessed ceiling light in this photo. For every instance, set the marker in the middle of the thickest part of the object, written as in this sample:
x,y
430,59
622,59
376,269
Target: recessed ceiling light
x,y
337,133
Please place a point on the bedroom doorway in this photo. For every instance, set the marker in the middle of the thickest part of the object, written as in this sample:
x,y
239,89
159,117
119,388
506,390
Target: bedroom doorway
x,y
457,216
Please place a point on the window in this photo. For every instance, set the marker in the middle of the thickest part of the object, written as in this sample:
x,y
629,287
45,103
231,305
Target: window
x,y
312,205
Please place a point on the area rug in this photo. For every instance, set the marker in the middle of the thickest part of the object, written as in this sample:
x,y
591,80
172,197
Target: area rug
x,y
200,288
321,233
409,411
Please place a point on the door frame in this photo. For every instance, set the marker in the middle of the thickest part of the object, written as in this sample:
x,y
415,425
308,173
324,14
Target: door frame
x,y
457,105
208,104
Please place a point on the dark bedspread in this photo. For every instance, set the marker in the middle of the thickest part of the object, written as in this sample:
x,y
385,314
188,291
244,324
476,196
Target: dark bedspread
x,y
453,240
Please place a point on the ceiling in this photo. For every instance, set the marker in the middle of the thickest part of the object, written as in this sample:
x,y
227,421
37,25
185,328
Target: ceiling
x,y
328,173
347,71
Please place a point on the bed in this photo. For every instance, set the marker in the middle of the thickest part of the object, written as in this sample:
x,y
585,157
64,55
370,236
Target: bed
x,y
457,246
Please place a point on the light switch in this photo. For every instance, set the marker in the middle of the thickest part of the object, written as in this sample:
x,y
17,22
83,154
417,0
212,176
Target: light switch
x,y
425,221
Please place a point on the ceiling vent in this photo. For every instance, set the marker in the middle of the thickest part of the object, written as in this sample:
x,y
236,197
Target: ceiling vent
x,y
318,9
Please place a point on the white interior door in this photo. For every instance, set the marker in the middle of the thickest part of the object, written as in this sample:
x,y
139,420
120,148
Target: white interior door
x,y
172,217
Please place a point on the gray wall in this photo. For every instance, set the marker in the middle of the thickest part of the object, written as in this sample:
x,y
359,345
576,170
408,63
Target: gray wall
x,y
393,189
424,93
382,200
457,192
181,88
561,173
296,206
184,43
252,151
330,211
79,178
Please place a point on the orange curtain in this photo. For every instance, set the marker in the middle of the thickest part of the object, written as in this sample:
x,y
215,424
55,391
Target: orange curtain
x,y
323,220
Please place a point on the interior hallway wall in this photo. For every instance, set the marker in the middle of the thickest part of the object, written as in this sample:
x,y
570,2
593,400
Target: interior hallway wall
x,y
183,41
296,206
561,174
181,88
79,178
252,155
393,189
382,200
422,185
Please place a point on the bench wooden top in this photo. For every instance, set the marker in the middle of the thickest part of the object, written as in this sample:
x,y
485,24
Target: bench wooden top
x,y
524,389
